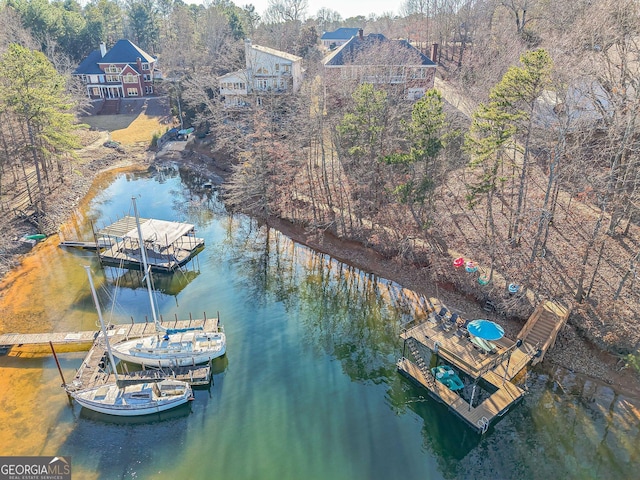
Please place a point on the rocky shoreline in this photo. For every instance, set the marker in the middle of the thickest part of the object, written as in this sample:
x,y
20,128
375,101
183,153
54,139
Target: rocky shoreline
x,y
572,352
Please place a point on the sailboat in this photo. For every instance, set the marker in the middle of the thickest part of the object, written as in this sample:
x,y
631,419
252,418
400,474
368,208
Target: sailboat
x,y
169,347
139,398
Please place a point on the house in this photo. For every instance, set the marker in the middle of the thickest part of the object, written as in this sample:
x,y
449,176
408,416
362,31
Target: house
x,y
267,71
125,70
338,38
395,64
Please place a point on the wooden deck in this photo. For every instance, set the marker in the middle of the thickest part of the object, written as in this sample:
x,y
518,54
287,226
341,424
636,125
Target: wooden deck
x,y
478,417
498,369
456,348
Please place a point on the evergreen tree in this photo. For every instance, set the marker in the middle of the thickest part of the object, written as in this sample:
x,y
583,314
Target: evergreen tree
x,y
35,94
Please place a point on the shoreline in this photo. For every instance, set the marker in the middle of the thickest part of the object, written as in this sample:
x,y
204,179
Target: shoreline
x,y
572,352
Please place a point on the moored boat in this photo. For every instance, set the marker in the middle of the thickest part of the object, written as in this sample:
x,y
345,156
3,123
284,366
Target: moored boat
x,y
140,398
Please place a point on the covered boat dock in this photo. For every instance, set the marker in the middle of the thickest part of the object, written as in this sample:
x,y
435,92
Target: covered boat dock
x,y
168,245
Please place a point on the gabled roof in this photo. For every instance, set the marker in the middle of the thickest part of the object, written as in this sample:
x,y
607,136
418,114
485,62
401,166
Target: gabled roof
x,y
89,65
356,45
125,51
277,53
340,34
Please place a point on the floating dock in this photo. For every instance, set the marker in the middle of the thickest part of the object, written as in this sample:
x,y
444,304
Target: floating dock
x,y
433,340
168,245
93,370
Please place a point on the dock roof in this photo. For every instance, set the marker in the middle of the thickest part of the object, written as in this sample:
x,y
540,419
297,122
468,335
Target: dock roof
x,y
160,232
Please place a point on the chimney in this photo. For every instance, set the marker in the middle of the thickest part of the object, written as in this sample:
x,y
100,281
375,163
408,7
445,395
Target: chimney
x,y
434,53
103,49
360,34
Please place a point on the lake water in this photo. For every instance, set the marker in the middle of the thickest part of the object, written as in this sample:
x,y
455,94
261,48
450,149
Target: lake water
x,y
308,388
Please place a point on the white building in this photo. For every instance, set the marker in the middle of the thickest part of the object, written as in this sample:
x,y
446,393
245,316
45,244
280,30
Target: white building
x,y
268,71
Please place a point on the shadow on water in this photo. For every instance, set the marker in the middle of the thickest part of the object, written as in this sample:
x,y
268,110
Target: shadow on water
x,y
444,434
120,447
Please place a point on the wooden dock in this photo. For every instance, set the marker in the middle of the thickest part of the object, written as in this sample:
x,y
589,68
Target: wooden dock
x,y
497,369
94,370
168,245
11,340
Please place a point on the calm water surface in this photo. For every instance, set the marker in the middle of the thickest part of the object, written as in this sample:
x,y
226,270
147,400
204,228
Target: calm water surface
x,y
308,388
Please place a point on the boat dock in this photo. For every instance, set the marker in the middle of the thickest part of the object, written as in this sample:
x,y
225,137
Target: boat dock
x,y
438,340
93,370
168,245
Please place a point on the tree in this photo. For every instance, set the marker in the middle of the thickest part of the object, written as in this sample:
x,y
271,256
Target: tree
x,y
360,140
144,24
516,96
426,138
35,93
286,11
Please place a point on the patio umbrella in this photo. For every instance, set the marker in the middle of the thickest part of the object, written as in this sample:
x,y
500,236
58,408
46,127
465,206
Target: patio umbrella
x,y
485,329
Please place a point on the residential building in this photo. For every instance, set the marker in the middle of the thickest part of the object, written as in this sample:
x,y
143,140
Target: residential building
x,y
394,64
268,71
123,71
338,38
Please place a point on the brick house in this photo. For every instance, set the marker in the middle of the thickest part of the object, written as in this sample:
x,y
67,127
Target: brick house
x,y
123,71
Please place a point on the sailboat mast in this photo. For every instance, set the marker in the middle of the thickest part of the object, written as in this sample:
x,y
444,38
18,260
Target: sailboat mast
x,y
102,327
145,264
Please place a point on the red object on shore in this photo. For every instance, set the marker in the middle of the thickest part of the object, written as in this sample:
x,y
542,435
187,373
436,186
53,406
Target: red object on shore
x,y
458,262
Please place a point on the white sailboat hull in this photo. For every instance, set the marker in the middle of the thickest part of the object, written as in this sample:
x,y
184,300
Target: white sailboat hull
x,y
136,400
180,350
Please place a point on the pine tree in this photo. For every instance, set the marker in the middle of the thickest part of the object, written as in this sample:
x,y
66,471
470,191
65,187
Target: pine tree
x,y
35,94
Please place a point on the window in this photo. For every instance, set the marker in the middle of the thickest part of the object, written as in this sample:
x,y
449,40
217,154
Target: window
x,y
277,67
286,68
95,92
262,71
148,89
113,78
129,78
147,77
132,92
419,73
112,69
262,84
145,66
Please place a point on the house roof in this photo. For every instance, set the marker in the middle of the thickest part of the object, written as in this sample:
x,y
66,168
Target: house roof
x,y
340,34
277,53
341,55
89,65
241,74
125,51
